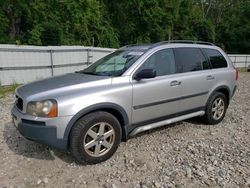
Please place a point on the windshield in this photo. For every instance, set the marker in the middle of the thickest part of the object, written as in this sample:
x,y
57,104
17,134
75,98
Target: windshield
x,y
114,64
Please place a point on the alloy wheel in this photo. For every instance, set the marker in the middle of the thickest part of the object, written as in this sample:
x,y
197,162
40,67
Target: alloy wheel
x,y
99,139
218,108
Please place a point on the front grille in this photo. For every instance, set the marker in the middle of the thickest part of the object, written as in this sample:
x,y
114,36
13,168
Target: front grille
x,y
19,103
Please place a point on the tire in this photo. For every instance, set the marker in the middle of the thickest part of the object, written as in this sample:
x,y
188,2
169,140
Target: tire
x,y
216,109
95,137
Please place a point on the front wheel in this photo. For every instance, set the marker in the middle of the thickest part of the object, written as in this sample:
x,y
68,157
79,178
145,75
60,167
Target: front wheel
x,y
216,108
95,137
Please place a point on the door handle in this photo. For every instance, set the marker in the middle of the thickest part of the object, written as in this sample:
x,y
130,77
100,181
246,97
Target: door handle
x,y
175,83
210,77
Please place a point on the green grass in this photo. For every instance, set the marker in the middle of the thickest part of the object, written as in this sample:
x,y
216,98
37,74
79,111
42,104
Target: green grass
x,y
4,90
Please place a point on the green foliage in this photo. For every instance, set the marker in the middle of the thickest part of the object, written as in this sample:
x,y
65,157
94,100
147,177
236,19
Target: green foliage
x,y
108,23
51,34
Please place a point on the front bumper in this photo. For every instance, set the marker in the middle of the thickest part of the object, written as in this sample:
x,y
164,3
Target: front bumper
x,y
37,129
41,134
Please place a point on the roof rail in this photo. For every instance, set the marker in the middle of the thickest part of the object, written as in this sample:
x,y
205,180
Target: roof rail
x,y
182,41
134,45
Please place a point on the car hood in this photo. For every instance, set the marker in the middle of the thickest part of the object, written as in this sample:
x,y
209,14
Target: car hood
x,y
61,84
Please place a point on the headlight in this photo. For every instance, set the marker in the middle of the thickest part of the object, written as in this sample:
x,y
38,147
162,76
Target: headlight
x,y
46,108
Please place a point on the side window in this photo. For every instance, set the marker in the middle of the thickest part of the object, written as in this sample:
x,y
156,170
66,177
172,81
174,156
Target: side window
x,y
162,61
216,58
190,59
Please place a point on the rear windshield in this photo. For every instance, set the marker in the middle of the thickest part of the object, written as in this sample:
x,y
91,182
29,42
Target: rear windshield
x,y
114,64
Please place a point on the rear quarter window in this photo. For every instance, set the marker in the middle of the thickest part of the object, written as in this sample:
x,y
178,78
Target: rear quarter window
x,y
216,59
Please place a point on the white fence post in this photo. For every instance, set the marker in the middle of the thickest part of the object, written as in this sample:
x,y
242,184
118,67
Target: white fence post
x,y
51,62
87,57
246,62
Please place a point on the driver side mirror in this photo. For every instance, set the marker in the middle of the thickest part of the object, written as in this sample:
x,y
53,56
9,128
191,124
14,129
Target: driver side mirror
x,y
145,74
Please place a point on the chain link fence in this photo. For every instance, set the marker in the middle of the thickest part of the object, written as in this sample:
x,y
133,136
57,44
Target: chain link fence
x,y
241,60
23,64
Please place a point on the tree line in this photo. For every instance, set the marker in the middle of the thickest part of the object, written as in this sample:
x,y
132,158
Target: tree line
x,y
116,23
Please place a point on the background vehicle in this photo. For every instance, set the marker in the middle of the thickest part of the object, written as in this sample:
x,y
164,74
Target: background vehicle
x,y
136,88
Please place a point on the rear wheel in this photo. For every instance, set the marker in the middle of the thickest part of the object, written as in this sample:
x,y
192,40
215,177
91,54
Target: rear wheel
x,y
216,108
95,137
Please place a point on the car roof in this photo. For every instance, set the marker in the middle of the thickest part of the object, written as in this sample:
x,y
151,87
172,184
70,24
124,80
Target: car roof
x,y
146,47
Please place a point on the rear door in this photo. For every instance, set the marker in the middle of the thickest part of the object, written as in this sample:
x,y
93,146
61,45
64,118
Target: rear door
x,y
195,76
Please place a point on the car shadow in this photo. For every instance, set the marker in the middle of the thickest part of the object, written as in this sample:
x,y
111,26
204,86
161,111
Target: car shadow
x,y
162,128
26,148
197,121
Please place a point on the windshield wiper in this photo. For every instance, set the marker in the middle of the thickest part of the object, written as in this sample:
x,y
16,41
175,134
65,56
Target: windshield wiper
x,y
78,72
82,72
90,73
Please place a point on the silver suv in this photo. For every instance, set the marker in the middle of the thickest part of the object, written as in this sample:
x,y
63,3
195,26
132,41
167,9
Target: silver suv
x,y
134,89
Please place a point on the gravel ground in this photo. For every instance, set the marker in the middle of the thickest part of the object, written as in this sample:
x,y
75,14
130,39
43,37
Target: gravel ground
x,y
186,154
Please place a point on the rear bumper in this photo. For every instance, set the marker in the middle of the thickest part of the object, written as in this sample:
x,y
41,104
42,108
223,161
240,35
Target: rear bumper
x,y
235,88
38,131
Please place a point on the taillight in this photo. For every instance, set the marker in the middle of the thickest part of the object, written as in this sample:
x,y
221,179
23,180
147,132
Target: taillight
x,y
236,72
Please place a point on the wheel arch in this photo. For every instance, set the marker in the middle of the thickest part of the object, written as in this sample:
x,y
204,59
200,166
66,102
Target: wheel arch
x,y
223,89
112,108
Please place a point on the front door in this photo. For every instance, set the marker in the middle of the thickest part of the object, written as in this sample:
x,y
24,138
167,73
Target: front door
x,y
156,98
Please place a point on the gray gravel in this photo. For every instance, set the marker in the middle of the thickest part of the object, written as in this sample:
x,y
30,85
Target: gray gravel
x,y
186,154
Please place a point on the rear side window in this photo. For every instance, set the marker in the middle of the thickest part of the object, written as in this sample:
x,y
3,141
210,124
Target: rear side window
x,y
216,58
190,59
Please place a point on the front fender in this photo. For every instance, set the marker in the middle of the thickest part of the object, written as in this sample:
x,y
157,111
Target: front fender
x,y
96,107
